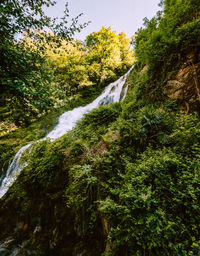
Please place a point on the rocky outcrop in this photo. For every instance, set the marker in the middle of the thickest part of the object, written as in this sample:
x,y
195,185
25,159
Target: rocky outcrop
x,y
184,84
174,89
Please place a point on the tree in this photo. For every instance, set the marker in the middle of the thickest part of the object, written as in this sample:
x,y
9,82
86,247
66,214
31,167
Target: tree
x,y
24,77
126,54
70,66
107,52
77,65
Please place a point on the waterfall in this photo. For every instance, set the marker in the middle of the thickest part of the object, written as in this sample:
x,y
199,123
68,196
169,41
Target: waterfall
x,y
114,92
13,170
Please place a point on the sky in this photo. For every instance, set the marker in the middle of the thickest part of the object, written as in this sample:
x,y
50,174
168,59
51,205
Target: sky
x,y
122,15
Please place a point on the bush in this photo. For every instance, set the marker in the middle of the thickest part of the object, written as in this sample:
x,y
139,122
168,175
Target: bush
x,y
156,209
147,125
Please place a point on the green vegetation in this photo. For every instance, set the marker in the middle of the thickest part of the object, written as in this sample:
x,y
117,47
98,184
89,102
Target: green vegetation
x,y
167,41
44,74
25,81
108,53
102,58
12,138
50,70
126,179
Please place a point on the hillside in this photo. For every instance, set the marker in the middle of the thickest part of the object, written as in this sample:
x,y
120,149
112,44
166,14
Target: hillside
x,y
126,179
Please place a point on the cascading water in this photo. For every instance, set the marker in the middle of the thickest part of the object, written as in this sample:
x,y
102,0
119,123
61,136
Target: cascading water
x,y
114,92
14,168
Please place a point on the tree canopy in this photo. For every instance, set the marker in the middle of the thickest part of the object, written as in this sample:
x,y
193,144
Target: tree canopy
x,y
24,78
108,51
101,58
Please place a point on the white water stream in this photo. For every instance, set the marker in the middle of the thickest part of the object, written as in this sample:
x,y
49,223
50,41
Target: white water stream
x,y
114,92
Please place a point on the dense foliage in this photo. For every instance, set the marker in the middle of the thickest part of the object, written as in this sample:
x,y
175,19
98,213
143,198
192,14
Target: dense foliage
x,y
126,180
25,90
50,71
107,52
167,39
101,58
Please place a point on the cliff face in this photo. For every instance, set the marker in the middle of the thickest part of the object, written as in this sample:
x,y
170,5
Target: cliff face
x,y
184,82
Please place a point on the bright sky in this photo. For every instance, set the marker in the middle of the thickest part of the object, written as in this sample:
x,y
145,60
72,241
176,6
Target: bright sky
x,y
122,15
